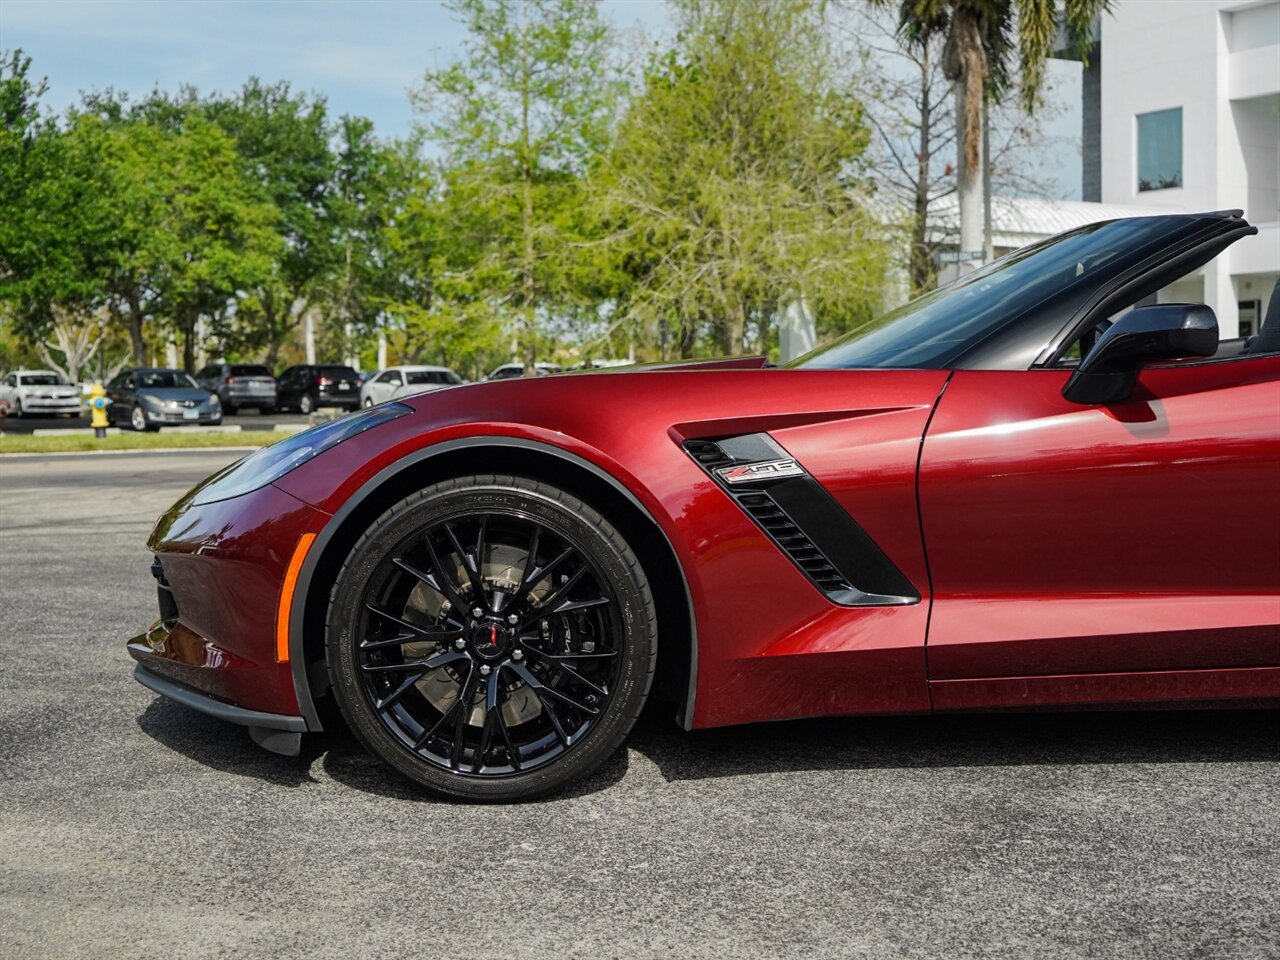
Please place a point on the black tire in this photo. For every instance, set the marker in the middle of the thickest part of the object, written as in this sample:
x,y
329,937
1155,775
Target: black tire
x,y
306,404
17,407
267,410
625,655
230,409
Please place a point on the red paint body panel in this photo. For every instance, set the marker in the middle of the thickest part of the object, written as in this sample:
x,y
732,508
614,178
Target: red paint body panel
x,y
224,563
770,644
1062,546
1078,539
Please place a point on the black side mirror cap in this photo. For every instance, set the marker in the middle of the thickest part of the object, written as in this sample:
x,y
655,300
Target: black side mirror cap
x,y
1165,331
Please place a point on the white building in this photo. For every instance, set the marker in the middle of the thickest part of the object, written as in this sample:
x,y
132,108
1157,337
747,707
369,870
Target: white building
x,y
1181,111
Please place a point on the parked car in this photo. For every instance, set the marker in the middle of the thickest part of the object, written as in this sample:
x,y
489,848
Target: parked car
x,y
240,385
509,371
600,365
306,388
485,589
147,398
38,393
405,382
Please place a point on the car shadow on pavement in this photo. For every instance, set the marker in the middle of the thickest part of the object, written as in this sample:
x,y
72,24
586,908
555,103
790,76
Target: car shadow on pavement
x,y
1004,739
347,762
226,747
223,746
845,743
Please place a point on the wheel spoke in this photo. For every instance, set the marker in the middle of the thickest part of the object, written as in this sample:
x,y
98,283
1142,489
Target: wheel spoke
x,y
398,640
452,592
549,603
419,631
571,605
425,665
457,702
538,574
460,722
530,561
540,689
576,677
390,700
602,655
564,738
469,563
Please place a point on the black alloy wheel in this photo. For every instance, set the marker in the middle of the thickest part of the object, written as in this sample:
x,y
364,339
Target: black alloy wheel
x,y
492,638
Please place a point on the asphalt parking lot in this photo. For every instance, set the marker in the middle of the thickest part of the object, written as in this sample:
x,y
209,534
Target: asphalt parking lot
x,y
132,827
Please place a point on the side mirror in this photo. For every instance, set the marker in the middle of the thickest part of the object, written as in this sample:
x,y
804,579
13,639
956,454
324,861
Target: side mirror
x,y
1165,331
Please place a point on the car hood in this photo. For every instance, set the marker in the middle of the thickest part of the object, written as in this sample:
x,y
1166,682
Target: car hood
x,y
174,393
57,391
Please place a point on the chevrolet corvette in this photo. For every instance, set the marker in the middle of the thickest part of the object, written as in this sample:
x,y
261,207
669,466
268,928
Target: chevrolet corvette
x,y
1038,487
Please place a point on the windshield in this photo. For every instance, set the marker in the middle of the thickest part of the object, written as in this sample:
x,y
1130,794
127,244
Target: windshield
x,y
249,370
338,373
431,376
42,380
935,329
164,379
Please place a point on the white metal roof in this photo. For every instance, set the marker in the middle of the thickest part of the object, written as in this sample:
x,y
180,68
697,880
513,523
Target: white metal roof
x,y
1017,221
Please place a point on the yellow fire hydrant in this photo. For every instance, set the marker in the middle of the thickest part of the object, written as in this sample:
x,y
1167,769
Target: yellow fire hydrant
x,y
98,403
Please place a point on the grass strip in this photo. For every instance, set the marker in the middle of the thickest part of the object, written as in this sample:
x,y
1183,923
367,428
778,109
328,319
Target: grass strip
x,y
24,443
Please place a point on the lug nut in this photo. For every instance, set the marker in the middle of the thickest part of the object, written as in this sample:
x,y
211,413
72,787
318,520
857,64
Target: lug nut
x,y
477,612
460,644
517,654
513,619
484,669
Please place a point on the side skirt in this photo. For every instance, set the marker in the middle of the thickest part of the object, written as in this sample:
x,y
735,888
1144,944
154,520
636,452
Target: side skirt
x,y
1068,690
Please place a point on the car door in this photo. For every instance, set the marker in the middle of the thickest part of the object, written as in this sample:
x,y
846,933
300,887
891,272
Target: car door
x,y
285,383
1101,553
384,387
120,393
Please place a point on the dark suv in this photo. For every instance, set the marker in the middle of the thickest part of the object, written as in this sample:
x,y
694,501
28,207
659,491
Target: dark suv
x,y
240,385
304,388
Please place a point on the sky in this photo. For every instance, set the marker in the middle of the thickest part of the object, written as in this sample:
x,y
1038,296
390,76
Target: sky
x,y
363,55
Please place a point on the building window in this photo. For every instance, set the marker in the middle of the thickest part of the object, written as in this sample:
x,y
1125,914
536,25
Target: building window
x,y
1160,150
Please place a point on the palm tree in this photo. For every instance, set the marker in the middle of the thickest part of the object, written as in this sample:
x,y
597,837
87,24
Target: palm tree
x,y
985,41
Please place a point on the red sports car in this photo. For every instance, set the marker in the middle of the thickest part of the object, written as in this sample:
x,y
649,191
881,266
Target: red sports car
x,y
1037,487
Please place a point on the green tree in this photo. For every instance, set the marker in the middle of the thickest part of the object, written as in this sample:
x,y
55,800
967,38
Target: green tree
x,y
284,142
54,222
733,187
987,43
520,118
183,228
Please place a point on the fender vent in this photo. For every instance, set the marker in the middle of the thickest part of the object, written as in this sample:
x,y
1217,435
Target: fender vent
x,y
707,453
803,520
793,541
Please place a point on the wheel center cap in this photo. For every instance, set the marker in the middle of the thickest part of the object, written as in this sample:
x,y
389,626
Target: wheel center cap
x,y
490,640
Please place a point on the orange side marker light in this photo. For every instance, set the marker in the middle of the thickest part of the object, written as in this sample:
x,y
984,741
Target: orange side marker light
x,y
286,596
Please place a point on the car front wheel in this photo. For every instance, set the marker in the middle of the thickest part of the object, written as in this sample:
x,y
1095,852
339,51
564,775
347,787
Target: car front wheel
x,y
138,420
306,404
491,638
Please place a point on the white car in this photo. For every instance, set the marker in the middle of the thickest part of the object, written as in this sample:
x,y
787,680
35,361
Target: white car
x,y
396,382
509,371
38,393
